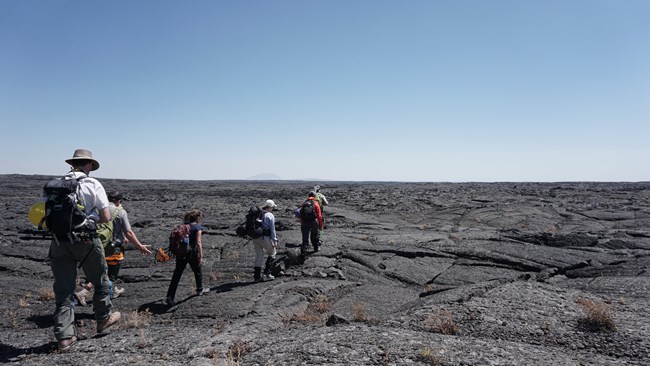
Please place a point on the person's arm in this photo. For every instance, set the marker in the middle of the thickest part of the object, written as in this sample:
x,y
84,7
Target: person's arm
x,y
104,215
319,216
274,237
130,236
101,202
199,246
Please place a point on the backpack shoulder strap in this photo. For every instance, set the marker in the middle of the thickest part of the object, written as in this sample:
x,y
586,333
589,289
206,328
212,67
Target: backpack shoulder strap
x,y
116,213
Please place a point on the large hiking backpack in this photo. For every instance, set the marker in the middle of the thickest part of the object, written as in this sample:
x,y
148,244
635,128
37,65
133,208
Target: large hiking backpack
x,y
320,200
308,211
65,216
179,240
252,227
106,230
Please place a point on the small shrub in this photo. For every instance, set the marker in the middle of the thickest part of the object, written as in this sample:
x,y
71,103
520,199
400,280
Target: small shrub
x,y
598,315
442,321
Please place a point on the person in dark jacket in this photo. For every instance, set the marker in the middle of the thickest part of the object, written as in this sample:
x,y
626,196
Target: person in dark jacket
x,y
311,222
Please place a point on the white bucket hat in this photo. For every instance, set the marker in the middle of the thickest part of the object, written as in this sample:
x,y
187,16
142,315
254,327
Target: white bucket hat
x,y
270,203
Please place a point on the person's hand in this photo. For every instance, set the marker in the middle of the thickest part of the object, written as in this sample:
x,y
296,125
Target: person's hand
x,y
275,244
145,249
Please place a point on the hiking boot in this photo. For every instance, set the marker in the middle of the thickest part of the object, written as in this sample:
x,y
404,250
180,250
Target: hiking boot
x,y
269,277
315,248
102,325
117,292
81,296
258,274
202,291
66,344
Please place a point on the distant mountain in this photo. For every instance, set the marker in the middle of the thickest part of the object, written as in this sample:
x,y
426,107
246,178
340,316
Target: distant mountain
x,y
265,176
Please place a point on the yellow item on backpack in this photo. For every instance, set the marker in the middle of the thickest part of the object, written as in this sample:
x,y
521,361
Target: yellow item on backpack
x,y
36,213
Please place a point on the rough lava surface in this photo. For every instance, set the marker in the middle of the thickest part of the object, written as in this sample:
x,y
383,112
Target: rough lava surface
x,y
409,274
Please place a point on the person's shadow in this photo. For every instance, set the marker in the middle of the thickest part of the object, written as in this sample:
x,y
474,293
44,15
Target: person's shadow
x,y
9,353
159,307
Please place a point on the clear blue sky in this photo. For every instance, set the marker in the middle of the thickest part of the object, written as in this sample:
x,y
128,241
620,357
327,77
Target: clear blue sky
x,y
418,90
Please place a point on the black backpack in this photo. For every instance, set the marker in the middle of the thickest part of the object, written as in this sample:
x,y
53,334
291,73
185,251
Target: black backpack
x,y
308,211
65,216
252,227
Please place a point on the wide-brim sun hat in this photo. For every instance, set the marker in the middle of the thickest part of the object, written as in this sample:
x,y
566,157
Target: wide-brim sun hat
x,y
83,154
270,203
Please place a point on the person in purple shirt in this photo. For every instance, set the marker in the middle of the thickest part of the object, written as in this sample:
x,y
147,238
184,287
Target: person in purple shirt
x,y
194,258
267,243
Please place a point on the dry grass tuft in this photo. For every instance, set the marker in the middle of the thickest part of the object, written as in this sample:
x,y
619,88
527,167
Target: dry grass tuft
x,y
442,321
138,319
233,255
216,276
238,349
12,318
321,304
427,356
144,341
359,312
598,315
315,312
306,316
23,302
46,294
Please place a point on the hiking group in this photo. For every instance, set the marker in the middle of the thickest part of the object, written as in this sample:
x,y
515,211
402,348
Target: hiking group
x,y
90,229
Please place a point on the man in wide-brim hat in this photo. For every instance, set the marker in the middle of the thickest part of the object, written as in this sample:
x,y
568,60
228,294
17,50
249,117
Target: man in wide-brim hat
x,y
66,252
81,155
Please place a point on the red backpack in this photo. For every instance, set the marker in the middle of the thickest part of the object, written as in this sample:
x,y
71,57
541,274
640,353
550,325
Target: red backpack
x,y
179,240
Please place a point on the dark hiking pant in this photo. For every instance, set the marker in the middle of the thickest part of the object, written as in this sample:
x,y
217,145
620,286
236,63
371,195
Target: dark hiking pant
x,y
181,263
309,231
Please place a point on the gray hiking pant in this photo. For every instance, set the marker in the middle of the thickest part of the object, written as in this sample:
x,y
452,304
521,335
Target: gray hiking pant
x,y
261,245
64,257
